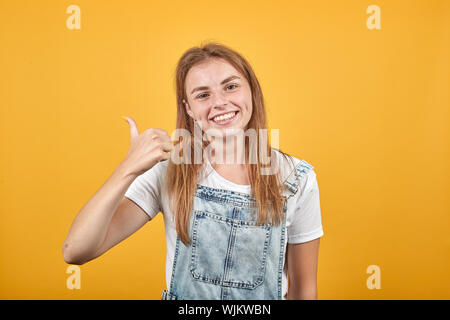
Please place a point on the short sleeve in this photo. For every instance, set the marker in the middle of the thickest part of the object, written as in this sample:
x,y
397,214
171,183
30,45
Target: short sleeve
x,y
305,221
145,190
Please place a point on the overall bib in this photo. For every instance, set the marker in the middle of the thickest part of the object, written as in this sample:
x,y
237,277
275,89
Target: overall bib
x,y
230,257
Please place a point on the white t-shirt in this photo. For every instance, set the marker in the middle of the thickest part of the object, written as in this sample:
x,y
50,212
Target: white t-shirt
x,y
303,215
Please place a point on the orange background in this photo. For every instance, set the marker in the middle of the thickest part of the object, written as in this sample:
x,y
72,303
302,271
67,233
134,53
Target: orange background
x,y
369,109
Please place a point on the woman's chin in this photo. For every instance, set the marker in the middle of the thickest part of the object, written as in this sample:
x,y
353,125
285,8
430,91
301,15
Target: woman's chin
x,y
228,131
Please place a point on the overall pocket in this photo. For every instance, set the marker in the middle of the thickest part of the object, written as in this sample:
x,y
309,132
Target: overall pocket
x,y
228,252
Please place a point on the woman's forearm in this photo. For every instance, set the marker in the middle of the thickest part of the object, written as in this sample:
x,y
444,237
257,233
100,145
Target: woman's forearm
x,y
302,294
90,226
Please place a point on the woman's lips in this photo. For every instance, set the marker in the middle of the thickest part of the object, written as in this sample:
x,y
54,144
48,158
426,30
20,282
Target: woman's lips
x,y
227,120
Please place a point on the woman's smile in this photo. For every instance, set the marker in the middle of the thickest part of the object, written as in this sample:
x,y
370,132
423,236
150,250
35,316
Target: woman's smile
x,y
225,118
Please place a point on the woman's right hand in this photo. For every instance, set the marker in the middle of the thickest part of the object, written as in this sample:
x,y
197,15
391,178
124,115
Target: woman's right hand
x,y
146,149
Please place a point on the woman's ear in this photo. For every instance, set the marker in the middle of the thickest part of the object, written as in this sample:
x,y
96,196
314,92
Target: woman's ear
x,y
188,109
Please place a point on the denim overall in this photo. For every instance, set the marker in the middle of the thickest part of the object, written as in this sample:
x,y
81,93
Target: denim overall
x,y
230,257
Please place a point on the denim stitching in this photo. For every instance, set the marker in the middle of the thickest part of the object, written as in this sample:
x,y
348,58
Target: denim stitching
x,y
174,264
193,244
229,255
230,197
231,221
234,224
281,261
166,295
292,181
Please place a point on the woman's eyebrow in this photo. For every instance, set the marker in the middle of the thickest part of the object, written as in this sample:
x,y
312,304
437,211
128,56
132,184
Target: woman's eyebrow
x,y
223,82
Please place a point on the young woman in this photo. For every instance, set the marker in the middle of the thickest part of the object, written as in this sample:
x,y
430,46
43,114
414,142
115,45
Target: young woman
x,y
233,230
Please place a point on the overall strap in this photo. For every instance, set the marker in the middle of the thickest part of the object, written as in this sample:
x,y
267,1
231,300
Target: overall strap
x,y
293,180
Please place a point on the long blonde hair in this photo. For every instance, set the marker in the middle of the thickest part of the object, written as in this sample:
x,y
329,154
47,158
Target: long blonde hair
x,y
181,179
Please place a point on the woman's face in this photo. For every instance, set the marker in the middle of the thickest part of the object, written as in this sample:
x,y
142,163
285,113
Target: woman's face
x,y
218,96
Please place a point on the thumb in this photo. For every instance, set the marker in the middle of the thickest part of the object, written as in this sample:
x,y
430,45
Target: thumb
x,y
133,127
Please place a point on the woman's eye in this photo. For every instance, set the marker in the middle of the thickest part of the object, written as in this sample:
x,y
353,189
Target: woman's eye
x,y
232,85
201,95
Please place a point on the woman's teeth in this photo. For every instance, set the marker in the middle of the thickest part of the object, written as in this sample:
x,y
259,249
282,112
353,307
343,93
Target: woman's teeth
x,y
225,116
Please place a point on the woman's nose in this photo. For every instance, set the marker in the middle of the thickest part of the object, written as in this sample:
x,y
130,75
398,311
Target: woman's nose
x,y
219,100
